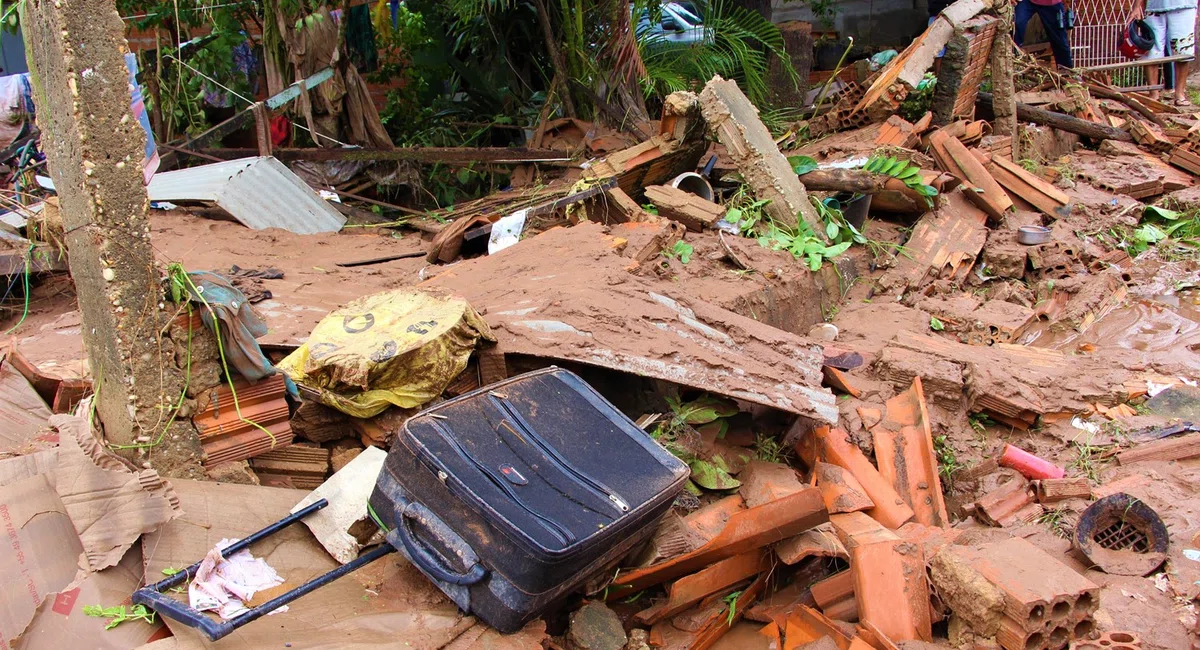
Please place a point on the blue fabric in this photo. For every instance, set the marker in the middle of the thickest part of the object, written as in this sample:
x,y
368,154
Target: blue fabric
x,y
1054,20
240,326
1163,6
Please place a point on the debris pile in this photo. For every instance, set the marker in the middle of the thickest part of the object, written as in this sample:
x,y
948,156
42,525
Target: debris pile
x,y
871,383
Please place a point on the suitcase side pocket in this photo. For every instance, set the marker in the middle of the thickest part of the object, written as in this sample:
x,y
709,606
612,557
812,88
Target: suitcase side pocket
x,y
425,558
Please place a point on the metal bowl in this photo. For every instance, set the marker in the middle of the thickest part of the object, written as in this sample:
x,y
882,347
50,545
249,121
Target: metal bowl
x,y
1033,235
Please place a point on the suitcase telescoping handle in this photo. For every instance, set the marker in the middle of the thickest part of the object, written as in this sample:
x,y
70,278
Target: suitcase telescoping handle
x,y
427,560
152,596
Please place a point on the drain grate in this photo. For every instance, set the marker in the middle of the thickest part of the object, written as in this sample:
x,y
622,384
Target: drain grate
x,y
1122,536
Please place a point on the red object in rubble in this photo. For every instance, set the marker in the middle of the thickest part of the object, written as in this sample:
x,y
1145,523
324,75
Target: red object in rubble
x,y
281,130
1032,467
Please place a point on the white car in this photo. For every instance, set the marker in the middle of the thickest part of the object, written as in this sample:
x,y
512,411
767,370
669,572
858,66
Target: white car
x,y
680,24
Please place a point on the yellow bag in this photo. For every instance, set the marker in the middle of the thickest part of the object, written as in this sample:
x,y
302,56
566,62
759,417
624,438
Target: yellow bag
x,y
399,347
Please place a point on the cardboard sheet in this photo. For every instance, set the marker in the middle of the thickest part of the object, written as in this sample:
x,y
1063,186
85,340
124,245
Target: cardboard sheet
x,y
382,605
41,551
23,415
109,503
61,623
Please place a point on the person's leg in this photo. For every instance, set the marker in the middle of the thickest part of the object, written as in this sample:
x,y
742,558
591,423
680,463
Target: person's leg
x,y
1181,30
1158,23
1021,15
1054,20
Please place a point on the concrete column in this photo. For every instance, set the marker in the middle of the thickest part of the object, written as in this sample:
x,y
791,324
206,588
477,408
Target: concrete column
x,y
95,146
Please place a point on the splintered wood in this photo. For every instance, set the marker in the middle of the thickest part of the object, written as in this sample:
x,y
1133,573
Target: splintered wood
x,y
944,244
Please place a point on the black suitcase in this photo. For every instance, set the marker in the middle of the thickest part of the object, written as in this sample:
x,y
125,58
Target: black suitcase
x,y
510,497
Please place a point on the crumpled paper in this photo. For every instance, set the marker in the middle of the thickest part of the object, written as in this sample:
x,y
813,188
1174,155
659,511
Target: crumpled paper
x,y
227,584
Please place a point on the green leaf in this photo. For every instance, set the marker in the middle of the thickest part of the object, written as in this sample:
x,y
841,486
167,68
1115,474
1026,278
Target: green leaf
x,y
802,164
911,172
711,477
705,409
692,489
683,251
463,176
935,324
831,230
1150,233
814,262
835,250
1163,213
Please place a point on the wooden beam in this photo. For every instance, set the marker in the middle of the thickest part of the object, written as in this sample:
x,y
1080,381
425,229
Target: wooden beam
x,y
449,155
1026,113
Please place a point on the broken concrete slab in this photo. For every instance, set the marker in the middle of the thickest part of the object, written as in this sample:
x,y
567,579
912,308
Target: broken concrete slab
x,y
601,315
347,492
735,123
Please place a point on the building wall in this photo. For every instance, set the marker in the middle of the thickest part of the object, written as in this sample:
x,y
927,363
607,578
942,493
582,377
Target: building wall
x,y
876,24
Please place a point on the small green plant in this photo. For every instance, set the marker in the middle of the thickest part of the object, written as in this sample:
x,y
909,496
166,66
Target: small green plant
x,y
1055,519
651,208
920,99
768,449
118,614
947,461
904,171
935,324
681,250
1029,165
979,423
731,601
1088,460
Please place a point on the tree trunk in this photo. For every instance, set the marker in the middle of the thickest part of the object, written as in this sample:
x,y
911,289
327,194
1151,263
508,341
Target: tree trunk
x,y
556,58
1087,129
95,147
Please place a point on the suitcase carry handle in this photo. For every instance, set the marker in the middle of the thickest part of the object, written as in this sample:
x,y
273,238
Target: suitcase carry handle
x,y
152,596
425,558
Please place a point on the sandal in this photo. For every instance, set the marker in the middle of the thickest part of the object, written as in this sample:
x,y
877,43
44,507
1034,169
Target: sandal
x,y
1182,102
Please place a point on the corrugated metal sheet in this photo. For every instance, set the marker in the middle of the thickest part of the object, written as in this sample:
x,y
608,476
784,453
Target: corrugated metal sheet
x,y
259,192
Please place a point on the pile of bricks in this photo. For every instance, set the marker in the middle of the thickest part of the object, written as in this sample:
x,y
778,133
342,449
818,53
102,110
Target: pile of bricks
x,y
1014,593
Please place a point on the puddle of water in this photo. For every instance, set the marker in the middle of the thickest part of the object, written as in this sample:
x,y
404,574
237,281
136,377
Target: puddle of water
x,y
1161,323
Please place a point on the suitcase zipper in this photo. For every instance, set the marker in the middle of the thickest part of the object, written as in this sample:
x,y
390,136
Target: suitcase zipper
x,y
557,459
563,534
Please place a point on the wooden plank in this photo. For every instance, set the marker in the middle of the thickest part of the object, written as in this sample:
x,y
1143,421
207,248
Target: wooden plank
x,y
447,155
694,212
